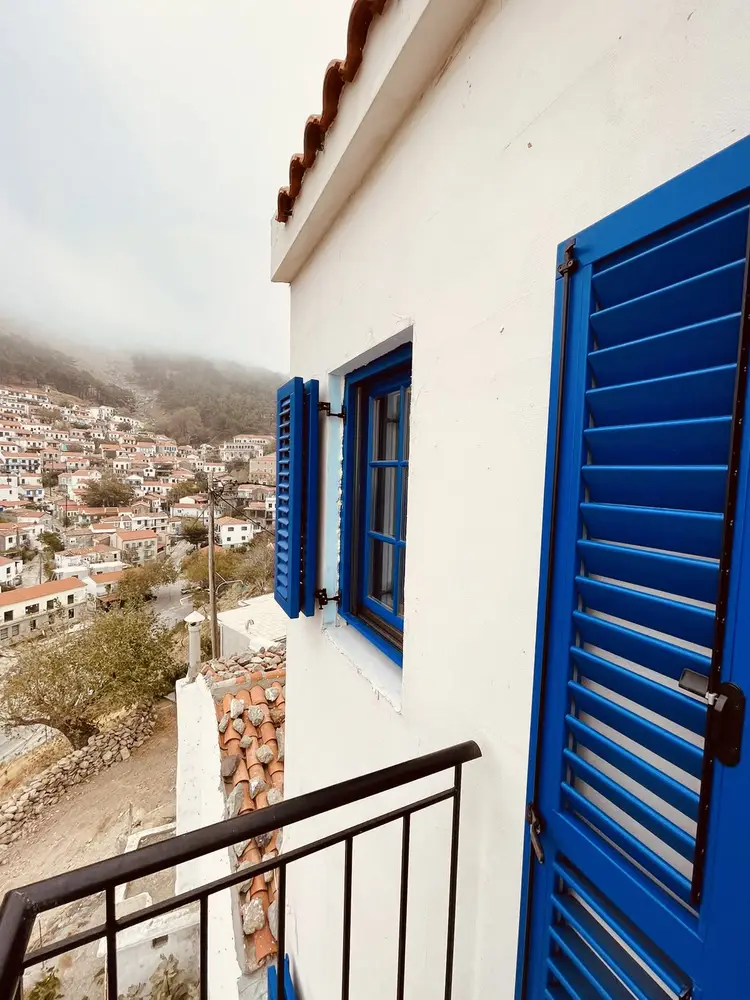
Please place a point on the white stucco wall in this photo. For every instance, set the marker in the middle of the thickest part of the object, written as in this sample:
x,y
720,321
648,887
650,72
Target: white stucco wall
x,y
548,117
200,802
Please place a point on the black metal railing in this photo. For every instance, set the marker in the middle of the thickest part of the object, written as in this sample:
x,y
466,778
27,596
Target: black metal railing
x,y
21,907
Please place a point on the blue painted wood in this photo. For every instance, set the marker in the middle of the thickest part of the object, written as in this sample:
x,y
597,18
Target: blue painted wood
x,y
593,934
691,348
311,532
390,373
273,982
656,781
699,250
630,843
628,931
693,532
691,301
695,578
686,621
650,369
673,705
636,808
641,730
686,487
289,495
706,393
673,442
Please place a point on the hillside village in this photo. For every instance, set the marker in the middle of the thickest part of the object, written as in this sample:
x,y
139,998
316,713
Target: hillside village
x,y
87,491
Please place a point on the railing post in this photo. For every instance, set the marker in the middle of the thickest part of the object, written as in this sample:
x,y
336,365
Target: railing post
x,y
203,947
401,973
281,936
109,920
453,883
16,923
347,942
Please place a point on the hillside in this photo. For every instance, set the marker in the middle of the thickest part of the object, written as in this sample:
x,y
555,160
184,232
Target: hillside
x,y
187,397
28,362
196,400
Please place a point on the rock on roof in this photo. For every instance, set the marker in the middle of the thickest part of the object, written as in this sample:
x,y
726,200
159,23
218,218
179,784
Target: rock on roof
x,y
248,690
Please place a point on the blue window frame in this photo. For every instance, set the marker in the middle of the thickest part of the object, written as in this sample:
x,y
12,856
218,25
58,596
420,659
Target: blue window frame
x,y
376,468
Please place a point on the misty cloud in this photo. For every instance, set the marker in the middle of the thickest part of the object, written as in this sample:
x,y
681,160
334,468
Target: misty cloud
x,y
143,143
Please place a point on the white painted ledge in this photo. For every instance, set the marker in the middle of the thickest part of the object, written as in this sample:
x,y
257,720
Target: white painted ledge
x,y
405,50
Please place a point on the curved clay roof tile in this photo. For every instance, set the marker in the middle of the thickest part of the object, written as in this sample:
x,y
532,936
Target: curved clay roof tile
x,y
337,75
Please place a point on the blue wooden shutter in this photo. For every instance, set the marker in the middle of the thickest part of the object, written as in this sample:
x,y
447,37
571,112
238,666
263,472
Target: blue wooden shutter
x,y
309,564
647,405
296,496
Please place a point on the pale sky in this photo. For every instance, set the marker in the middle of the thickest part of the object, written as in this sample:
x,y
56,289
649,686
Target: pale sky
x,y
142,145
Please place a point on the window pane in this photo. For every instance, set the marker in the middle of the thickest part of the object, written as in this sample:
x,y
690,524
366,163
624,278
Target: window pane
x,y
383,500
381,572
407,420
401,575
386,411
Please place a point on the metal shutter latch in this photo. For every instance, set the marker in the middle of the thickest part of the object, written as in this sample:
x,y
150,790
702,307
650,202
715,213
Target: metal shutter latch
x,y
726,715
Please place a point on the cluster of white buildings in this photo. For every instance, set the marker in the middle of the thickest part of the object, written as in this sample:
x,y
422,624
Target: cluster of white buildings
x,y
53,450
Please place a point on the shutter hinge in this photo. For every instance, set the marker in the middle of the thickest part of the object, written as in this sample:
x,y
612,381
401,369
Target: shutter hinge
x,y
727,709
568,262
323,598
326,408
536,828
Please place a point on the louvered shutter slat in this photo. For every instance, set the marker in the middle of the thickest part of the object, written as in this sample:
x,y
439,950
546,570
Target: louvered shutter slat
x,y
665,787
673,705
630,843
582,966
704,441
706,393
625,930
696,533
686,487
685,621
692,348
689,301
701,249
296,543
694,578
651,652
687,756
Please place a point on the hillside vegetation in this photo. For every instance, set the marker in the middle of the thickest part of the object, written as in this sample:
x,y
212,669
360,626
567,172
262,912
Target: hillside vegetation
x,y
199,401
27,362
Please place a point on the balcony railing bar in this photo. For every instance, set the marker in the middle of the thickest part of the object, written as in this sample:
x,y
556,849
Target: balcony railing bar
x,y
21,906
56,948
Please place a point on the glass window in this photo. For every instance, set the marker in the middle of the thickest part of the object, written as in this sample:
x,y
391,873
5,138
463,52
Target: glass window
x,y
376,469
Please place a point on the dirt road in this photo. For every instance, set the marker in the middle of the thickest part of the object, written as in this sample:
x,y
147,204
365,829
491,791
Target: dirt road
x,y
93,822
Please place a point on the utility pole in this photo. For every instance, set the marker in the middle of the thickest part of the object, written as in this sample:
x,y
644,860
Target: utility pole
x,y
212,571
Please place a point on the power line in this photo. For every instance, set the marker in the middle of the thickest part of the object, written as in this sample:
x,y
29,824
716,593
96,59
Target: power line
x,y
242,514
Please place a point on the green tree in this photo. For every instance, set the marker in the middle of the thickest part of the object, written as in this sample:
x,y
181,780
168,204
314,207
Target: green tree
x,y
51,541
50,480
251,566
69,682
183,490
194,530
107,492
138,583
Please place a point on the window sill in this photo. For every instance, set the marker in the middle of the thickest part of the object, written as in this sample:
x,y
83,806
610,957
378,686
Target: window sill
x,y
378,669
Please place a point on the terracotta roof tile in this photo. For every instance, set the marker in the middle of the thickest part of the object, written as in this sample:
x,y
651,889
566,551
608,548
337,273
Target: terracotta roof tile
x,y
254,776
338,74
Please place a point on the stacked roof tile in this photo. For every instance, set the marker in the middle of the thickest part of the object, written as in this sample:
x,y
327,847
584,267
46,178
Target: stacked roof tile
x,y
250,717
339,73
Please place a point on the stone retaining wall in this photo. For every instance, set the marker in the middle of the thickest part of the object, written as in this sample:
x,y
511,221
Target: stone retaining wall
x,y
44,789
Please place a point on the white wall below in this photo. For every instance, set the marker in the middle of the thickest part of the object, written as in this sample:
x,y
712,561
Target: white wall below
x,y
548,117
200,802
